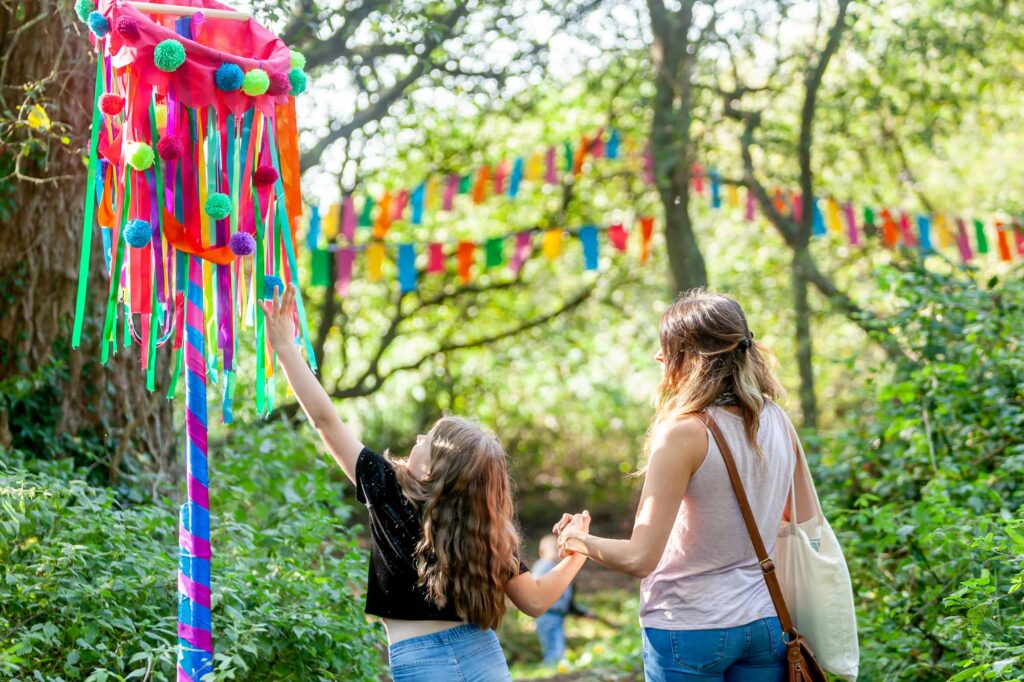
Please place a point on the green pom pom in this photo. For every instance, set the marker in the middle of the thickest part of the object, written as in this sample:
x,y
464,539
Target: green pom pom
x,y
298,60
140,155
298,81
255,82
169,55
218,206
83,8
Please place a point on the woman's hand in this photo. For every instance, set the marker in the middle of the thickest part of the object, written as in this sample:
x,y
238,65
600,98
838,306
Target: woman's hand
x,y
571,533
279,315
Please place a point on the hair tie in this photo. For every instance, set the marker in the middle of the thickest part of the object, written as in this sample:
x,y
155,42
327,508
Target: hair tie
x,y
747,341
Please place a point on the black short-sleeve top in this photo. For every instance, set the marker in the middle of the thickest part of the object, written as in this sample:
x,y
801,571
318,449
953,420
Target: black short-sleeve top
x,y
395,530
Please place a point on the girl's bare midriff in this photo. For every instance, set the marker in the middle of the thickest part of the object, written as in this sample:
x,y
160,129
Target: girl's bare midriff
x,y
407,629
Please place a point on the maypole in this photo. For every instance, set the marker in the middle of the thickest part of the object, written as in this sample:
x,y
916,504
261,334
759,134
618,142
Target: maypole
x,y
194,186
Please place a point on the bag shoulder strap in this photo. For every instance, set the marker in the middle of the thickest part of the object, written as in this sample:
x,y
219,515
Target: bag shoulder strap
x,y
767,565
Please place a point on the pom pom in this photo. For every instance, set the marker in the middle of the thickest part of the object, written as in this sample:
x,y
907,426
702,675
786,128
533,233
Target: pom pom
x,y
298,81
160,111
228,77
140,155
111,104
169,55
218,206
255,82
265,175
127,27
298,59
279,84
83,8
98,24
170,148
138,233
271,282
242,244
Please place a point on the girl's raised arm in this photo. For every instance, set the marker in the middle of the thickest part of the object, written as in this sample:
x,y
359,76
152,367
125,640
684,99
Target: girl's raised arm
x,y
341,442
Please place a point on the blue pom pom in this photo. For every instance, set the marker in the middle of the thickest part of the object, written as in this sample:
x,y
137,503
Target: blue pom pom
x,y
98,24
138,233
229,77
271,282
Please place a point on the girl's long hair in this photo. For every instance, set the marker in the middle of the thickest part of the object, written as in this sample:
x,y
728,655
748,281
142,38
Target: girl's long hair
x,y
470,543
708,350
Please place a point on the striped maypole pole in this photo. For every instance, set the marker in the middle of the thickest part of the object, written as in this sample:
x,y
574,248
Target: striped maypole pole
x,y
195,642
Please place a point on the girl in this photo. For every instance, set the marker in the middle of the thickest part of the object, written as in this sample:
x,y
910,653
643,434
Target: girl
x,y
704,607
444,549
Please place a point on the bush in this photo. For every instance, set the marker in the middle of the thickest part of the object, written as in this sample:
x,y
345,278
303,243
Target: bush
x,y
89,584
927,484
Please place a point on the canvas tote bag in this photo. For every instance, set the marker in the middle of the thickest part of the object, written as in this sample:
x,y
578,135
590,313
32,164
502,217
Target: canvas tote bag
x,y
814,577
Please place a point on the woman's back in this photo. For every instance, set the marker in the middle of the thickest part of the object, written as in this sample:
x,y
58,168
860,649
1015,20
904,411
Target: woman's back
x,y
708,576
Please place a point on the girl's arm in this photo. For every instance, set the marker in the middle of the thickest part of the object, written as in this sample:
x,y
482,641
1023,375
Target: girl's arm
x,y
677,452
339,439
534,596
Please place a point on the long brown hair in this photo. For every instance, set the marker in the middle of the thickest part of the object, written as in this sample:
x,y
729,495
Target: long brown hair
x,y
707,350
470,542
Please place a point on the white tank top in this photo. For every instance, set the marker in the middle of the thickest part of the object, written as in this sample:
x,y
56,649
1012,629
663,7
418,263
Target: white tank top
x,y
708,576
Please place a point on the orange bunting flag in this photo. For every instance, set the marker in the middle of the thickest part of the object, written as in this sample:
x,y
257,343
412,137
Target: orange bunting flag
x,y
580,155
779,201
383,221
646,232
1004,242
480,187
465,257
890,232
374,261
552,245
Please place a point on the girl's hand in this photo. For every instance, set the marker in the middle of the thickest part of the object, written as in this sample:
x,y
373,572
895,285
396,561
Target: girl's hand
x,y
278,314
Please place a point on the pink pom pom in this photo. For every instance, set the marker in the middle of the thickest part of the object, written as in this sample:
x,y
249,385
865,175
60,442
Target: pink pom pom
x,y
111,104
170,148
265,175
279,84
128,28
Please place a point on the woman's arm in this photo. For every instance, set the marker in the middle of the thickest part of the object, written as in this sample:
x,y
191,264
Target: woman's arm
x,y
677,452
341,442
534,596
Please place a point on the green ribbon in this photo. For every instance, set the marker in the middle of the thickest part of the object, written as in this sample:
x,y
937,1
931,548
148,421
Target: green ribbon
x,y
90,209
173,388
257,293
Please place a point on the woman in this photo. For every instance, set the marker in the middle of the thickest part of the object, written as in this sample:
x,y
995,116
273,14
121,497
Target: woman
x,y
444,549
704,607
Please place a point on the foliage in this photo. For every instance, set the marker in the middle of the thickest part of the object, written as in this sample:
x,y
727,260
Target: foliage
x,y
928,485
89,588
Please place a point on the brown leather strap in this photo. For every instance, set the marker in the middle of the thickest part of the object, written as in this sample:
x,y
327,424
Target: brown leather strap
x,y
767,566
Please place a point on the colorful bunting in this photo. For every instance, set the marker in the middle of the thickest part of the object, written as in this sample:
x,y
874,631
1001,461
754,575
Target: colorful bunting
x,y
524,244
407,267
344,258
464,258
588,238
494,252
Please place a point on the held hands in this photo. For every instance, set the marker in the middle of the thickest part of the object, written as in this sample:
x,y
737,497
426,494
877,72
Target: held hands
x,y
571,531
278,314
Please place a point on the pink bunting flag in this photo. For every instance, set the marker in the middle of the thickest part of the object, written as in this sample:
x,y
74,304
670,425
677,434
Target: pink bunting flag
x,y
597,145
750,205
962,242
435,258
550,172
617,235
348,218
344,259
648,165
905,231
797,204
697,173
1018,237
524,244
851,224
398,204
500,173
450,190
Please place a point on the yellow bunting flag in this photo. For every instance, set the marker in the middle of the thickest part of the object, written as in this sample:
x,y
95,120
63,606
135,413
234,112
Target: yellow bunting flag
x,y
552,246
942,230
535,167
832,220
329,225
732,193
374,261
433,192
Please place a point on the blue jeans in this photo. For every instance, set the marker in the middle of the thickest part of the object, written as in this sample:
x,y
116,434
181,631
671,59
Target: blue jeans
x,y
753,652
551,633
464,653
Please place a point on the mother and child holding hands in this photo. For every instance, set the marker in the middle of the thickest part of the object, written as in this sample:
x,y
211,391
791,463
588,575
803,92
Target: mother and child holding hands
x,y
445,548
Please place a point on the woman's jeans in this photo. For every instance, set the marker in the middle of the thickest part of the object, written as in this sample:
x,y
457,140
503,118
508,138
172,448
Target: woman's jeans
x,y
462,654
551,633
754,652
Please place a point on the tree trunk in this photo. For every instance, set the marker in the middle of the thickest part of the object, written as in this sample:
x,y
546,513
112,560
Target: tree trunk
x,y
48,390
671,141
804,347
